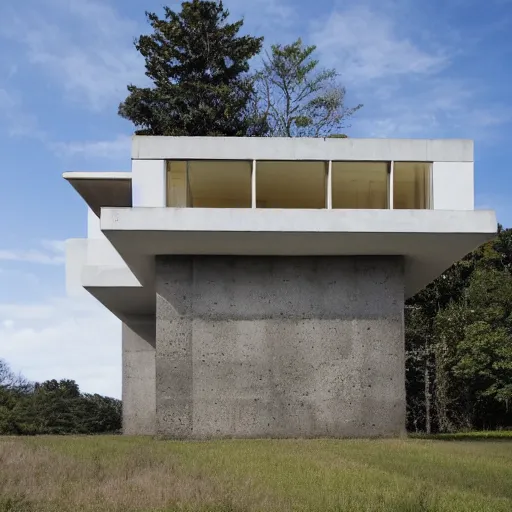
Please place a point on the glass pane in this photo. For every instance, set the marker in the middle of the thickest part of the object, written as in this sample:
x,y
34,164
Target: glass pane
x,y
290,184
411,185
209,184
360,185
177,188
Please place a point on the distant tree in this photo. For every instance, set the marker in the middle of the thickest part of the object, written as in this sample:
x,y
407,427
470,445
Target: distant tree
x,y
297,99
485,352
53,407
419,368
64,388
101,414
6,375
9,380
199,68
459,344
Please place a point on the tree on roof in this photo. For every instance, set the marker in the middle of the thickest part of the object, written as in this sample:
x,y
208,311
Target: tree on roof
x,y
199,65
296,98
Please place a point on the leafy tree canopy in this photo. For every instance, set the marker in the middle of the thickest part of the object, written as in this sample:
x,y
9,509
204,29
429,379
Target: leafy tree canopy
x,y
296,98
459,344
199,65
53,407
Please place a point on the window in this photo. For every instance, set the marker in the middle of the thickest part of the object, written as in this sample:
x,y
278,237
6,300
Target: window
x,y
177,184
297,184
291,184
411,185
209,183
360,185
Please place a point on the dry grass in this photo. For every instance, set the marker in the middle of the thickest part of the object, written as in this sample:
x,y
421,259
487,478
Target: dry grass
x,y
139,474
44,477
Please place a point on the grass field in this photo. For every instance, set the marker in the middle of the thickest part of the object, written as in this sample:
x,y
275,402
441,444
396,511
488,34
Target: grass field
x,y
465,473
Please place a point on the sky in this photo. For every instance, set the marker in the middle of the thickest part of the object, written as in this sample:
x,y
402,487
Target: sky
x,y
422,69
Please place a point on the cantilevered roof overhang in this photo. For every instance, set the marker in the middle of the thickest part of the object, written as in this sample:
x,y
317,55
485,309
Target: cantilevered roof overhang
x,y
429,240
102,188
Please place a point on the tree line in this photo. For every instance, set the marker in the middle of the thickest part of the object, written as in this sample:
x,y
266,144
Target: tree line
x,y
53,407
458,334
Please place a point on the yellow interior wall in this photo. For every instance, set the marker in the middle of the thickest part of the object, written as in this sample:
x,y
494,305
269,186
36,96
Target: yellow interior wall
x,y
177,189
411,185
291,184
360,185
209,184
220,184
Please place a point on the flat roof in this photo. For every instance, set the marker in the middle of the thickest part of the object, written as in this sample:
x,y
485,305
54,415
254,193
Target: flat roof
x,y
97,175
301,148
100,189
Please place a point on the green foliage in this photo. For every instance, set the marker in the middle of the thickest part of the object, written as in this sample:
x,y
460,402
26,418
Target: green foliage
x,y
295,98
459,332
55,407
485,353
199,68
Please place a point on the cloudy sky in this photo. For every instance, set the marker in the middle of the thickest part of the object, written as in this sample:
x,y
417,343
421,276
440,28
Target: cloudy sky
x,y
422,69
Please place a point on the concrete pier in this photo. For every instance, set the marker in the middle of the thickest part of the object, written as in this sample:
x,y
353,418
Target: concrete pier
x,y
139,391
279,347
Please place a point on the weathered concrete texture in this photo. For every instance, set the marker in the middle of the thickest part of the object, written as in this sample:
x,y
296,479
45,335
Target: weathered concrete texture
x,y
279,346
139,406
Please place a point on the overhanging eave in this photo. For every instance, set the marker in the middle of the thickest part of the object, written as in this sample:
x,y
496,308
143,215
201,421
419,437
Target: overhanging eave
x,y
430,241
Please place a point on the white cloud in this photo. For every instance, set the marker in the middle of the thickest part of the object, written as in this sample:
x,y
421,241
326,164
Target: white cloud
x,y
57,338
20,123
63,338
85,47
272,15
51,253
365,45
113,149
405,73
443,107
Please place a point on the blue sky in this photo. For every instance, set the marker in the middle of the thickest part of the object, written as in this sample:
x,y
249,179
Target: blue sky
x,y
422,69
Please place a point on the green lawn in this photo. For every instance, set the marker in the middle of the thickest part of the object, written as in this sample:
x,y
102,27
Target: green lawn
x,y
457,473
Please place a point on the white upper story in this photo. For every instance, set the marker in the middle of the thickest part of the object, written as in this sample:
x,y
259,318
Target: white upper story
x,y
302,173
279,196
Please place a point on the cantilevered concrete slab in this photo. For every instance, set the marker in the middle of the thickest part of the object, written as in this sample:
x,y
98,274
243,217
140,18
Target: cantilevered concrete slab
x,y
102,188
429,240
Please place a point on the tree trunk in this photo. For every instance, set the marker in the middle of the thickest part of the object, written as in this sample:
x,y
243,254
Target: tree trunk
x,y
428,426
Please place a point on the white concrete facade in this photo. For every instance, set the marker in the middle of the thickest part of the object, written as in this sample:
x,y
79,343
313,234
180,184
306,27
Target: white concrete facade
x,y
129,222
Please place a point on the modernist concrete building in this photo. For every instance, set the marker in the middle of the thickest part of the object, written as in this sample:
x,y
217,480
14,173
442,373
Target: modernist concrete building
x,y
261,281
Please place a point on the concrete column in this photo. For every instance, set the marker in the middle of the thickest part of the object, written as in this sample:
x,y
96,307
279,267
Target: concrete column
x,y
139,376
174,384
279,346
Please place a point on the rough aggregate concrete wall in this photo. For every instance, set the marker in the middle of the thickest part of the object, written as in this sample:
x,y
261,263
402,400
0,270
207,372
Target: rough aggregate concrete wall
x,y
139,400
279,346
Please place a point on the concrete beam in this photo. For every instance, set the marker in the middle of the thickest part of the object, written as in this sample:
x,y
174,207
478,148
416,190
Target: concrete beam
x,y
297,221
276,148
